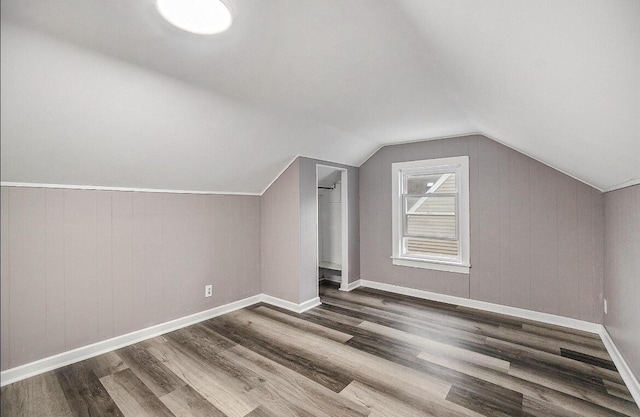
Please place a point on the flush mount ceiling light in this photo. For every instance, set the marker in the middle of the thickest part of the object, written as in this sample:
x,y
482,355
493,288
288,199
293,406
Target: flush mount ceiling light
x,y
204,17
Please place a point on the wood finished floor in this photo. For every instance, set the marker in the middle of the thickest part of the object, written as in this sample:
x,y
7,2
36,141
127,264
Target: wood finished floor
x,y
364,353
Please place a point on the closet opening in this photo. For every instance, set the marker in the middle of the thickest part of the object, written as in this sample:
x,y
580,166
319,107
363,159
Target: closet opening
x,y
331,224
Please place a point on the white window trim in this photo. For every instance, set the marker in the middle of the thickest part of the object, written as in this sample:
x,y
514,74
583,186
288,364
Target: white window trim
x,y
461,163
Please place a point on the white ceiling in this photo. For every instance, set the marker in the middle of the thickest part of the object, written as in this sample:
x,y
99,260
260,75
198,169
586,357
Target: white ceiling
x,y
106,93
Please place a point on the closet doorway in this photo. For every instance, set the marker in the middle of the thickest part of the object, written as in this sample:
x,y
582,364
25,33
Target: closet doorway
x,y
332,225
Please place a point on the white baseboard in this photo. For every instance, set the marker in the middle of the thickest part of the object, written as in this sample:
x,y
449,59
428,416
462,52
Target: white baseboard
x,y
352,285
623,368
85,352
309,304
288,305
483,305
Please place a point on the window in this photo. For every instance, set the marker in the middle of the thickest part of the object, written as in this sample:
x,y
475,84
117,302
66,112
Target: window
x,y
431,214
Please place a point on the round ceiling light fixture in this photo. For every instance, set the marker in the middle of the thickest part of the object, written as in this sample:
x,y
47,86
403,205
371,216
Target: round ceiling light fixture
x,y
204,17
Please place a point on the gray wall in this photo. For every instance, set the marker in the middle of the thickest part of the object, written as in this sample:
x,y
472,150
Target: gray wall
x,y
622,272
537,235
81,266
308,230
280,236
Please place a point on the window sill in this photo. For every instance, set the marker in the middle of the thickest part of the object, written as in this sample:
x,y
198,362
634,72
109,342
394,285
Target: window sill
x,y
438,266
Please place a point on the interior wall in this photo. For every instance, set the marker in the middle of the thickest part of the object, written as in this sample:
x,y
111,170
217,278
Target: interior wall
x,y
82,266
330,225
308,219
537,235
280,236
622,272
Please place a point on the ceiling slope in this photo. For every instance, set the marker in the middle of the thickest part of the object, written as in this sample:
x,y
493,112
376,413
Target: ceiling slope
x,y
557,80
137,103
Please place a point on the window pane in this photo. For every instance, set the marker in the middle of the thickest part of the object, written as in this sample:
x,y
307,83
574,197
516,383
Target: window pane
x,y
432,204
431,226
431,247
431,183
448,185
420,184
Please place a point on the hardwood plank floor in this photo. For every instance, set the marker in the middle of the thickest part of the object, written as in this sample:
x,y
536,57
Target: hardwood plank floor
x,y
366,353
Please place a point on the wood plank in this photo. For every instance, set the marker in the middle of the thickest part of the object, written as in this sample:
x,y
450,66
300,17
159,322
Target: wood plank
x,y
545,344
132,396
84,392
526,355
202,340
492,400
80,268
330,315
104,265
106,364
434,312
423,326
308,364
533,390
260,412
55,271
534,408
304,325
40,395
505,227
544,238
563,335
226,393
576,388
439,348
568,248
155,375
187,402
27,269
618,389
382,405
284,392
5,321
122,262
365,367
473,385
485,284
520,196
603,361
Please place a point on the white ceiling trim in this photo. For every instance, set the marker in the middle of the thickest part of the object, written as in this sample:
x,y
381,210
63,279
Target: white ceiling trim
x,y
280,174
125,189
625,184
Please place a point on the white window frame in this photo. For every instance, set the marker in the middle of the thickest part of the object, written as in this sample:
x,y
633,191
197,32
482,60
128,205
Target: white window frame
x,y
459,165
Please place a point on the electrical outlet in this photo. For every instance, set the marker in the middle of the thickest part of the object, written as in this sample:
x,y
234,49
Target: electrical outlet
x,y
605,306
208,290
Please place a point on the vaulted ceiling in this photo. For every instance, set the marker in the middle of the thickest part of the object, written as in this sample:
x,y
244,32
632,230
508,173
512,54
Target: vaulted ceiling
x,y
107,93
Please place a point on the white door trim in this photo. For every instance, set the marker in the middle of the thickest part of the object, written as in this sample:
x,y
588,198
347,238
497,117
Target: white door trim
x,y
344,211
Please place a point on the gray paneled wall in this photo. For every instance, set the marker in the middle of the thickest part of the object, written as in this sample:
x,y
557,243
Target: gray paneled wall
x,y
622,272
537,235
280,245
81,266
289,234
